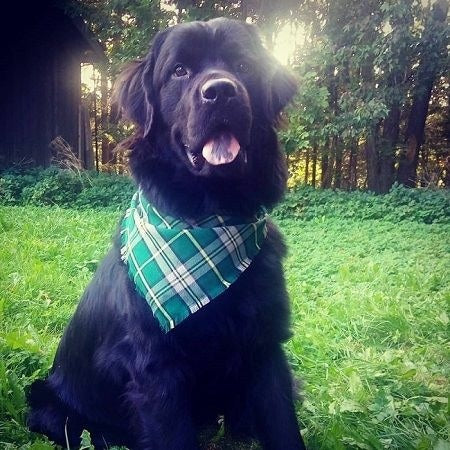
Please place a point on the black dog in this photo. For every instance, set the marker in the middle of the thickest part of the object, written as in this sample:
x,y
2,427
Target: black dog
x,y
205,101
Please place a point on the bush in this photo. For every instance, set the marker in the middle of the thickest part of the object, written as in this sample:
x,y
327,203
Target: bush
x,y
59,188
106,190
13,182
400,204
65,188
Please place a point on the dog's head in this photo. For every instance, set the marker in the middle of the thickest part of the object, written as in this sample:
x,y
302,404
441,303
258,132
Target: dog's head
x,y
205,100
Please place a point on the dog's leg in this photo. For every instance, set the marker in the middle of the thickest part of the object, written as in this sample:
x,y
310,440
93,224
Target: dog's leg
x,y
47,415
269,402
161,413
276,422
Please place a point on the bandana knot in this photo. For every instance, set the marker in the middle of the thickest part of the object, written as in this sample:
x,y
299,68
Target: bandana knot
x,y
179,266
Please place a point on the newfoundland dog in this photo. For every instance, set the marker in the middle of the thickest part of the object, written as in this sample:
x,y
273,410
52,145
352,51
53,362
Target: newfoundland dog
x,y
185,317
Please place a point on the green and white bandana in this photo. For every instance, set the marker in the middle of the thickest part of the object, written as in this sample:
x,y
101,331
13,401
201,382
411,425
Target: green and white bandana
x,y
180,266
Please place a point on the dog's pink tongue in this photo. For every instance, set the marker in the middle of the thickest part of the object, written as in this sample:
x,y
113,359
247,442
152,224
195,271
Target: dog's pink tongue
x,y
222,149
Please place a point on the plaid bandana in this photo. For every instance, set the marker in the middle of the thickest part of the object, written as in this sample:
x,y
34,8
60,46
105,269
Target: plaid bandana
x,y
180,266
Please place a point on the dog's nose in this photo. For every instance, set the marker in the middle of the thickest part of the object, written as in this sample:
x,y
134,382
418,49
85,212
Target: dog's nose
x,y
219,89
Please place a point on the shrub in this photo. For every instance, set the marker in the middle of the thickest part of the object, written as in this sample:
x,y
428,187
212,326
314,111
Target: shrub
x,y
400,204
59,188
64,188
13,182
86,189
105,191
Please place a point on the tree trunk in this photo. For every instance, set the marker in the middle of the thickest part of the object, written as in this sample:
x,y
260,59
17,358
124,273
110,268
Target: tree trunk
x,y
447,173
355,168
338,165
328,175
307,167
314,166
434,46
423,166
106,154
324,167
389,141
352,166
372,161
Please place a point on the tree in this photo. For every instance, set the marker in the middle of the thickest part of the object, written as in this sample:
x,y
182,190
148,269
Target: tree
x,y
384,60
433,52
124,27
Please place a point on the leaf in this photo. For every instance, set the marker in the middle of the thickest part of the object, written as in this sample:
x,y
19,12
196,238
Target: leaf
x,y
411,373
443,318
387,443
21,341
354,383
354,443
443,400
39,445
349,405
86,443
332,408
309,406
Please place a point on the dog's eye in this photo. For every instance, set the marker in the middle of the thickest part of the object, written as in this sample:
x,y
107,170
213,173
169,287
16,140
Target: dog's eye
x,y
243,67
180,71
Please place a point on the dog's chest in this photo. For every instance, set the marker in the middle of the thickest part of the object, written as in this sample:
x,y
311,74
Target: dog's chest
x,y
226,333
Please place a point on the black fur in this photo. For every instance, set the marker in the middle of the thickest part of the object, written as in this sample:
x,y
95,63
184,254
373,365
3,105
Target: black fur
x,y
115,372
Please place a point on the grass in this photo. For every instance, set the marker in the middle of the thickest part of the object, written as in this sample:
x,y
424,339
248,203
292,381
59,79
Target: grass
x,y
370,331
370,324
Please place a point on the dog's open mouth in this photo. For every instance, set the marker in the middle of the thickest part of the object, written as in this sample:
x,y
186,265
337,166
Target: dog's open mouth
x,y
222,148
196,159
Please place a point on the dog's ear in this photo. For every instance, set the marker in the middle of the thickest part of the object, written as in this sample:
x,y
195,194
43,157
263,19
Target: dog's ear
x,y
283,87
128,93
133,90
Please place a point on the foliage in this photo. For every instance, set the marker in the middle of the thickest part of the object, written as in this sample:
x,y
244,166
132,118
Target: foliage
x,y
67,189
369,323
269,15
105,190
64,188
358,67
361,67
306,116
401,204
435,148
59,188
13,182
82,190
124,27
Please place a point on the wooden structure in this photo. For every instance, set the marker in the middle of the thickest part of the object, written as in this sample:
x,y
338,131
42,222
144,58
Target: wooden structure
x,y
43,48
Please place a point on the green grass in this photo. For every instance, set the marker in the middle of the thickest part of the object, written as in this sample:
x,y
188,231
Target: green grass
x,y
370,321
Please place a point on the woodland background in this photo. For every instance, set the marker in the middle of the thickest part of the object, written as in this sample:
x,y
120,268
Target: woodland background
x,y
373,106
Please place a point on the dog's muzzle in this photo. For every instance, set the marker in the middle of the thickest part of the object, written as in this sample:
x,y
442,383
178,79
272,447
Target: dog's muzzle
x,y
218,90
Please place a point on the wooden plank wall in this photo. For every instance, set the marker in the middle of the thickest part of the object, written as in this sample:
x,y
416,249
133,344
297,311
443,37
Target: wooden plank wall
x,y
41,84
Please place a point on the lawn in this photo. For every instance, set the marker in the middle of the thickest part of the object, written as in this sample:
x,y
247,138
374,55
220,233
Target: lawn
x,y
370,323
